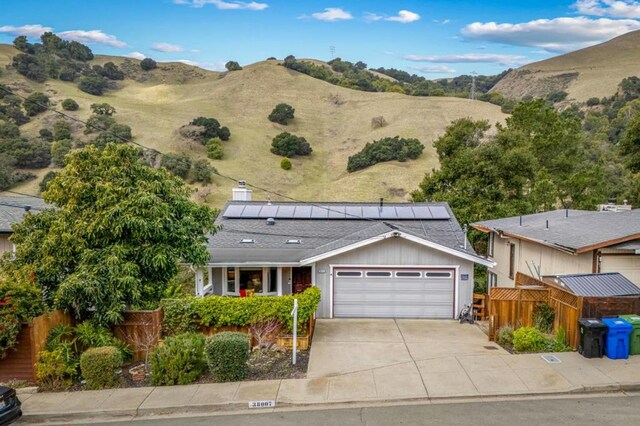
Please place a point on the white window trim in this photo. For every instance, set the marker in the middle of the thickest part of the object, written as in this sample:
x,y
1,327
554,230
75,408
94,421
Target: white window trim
x,y
266,276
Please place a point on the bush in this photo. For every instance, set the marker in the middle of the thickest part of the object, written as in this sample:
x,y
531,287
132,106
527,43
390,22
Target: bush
x,y
386,149
232,66
148,64
285,164
46,134
92,85
214,149
593,101
178,164
201,171
289,145
179,361
99,367
227,354
33,154
98,123
59,149
281,114
70,105
555,97
61,130
36,103
45,180
204,129
543,316
505,335
377,122
529,339
52,372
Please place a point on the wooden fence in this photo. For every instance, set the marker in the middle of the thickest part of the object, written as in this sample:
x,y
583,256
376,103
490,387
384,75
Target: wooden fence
x,y
18,364
515,306
141,330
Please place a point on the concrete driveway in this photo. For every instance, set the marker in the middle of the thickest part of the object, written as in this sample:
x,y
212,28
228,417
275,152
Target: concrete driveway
x,y
389,358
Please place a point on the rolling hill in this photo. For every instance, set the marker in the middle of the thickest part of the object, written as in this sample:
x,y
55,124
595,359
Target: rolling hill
x,y
335,120
592,72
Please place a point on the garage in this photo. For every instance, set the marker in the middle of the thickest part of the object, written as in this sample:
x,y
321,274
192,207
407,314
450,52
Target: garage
x,y
393,293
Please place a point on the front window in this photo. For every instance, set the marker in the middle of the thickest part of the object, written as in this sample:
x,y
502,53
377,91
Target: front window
x,y
231,280
251,279
248,281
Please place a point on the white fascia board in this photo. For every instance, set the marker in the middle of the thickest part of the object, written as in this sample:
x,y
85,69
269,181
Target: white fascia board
x,y
393,234
251,264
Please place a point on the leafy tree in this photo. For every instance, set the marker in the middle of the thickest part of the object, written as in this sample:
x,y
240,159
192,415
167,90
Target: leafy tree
x,y
92,85
70,105
33,154
7,165
103,109
555,97
46,179
109,70
210,129
46,134
215,150
117,234
59,149
178,164
98,123
593,101
22,44
289,145
61,130
282,113
36,103
386,149
148,64
224,133
630,144
201,171
232,66
30,67
11,107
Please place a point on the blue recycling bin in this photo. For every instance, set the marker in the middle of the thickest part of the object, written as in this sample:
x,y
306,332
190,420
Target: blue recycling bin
x,y
617,344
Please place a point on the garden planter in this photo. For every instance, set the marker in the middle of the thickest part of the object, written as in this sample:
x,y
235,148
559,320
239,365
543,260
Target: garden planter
x,y
286,341
138,373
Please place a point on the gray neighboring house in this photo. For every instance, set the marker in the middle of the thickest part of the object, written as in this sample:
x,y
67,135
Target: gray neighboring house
x,y
391,260
12,211
563,242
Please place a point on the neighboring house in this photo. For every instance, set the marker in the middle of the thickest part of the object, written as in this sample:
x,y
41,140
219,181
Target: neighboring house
x,y
12,210
370,260
608,284
563,242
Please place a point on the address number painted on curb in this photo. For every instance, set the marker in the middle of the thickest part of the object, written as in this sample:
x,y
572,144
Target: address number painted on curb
x,y
262,404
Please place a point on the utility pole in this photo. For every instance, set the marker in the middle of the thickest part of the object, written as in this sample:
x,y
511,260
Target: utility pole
x,y
332,50
473,85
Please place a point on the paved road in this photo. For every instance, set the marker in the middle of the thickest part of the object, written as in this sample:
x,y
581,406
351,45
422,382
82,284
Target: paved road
x,y
600,410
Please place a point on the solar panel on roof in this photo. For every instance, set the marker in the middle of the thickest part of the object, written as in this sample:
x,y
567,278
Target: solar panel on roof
x,y
285,212
371,212
422,212
302,212
405,212
251,211
354,212
388,212
234,210
439,212
268,211
336,212
319,213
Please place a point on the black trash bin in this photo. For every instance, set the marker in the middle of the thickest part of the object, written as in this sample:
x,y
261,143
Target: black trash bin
x,y
592,337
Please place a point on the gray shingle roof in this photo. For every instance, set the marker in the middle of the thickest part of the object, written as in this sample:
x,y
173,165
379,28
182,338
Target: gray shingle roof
x,y
12,210
572,230
604,285
319,236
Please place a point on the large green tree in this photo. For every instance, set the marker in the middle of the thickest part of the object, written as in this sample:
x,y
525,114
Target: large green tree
x,y
115,234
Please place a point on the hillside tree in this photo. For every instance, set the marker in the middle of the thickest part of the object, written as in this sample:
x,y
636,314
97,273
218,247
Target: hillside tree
x,y
282,113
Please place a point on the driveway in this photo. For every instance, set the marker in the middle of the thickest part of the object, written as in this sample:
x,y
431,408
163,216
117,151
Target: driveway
x,y
389,358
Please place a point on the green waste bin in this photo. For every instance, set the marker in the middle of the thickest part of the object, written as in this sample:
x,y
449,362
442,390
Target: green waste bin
x,y
634,338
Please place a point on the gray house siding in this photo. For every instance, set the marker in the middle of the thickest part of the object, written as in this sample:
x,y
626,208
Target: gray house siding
x,y
393,252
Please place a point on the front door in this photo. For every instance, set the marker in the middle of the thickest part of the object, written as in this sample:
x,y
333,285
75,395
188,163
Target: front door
x,y
301,278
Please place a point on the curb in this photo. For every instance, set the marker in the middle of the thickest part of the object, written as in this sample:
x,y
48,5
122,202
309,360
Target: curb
x,y
237,408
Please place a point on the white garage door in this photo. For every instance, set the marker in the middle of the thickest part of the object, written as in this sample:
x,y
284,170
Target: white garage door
x,y
629,266
393,293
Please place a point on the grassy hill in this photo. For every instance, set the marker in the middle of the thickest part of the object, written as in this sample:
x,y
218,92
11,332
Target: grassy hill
x,y
336,122
594,71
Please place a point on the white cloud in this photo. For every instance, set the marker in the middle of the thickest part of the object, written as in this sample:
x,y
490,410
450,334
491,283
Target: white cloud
x,y
437,69
332,14
211,66
32,31
225,5
136,55
404,17
466,58
167,47
92,37
611,8
372,17
555,35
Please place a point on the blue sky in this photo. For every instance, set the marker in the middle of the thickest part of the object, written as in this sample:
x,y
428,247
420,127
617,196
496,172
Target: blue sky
x,y
433,38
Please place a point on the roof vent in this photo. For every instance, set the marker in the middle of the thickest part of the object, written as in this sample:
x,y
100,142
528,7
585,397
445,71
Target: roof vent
x,y
247,241
27,208
293,241
271,221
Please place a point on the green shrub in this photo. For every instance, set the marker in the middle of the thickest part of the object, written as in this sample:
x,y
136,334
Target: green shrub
x,y
386,149
232,66
61,130
46,179
289,145
178,164
217,311
593,101
214,149
36,103
179,361
148,64
70,105
100,367
46,134
285,164
59,149
543,316
227,354
505,335
92,85
201,171
555,97
52,372
282,113
529,339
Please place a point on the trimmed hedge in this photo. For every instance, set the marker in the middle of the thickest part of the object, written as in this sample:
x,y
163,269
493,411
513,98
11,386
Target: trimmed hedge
x,y
100,367
179,361
187,315
227,354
